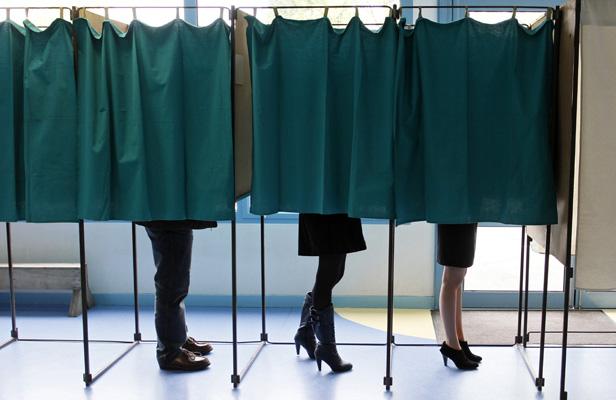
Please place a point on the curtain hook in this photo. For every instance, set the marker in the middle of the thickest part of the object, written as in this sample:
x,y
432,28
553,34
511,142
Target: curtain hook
x,y
8,13
222,11
254,12
549,14
325,12
357,12
134,12
466,12
106,13
420,14
515,12
61,12
27,12
276,12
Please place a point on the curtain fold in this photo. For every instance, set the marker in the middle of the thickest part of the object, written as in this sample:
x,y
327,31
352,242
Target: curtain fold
x,y
323,110
474,110
155,122
12,193
50,122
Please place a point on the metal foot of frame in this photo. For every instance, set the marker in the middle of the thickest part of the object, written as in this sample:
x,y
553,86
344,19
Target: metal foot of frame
x,y
90,379
15,333
137,337
264,337
527,362
8,342
563,396
388,381
252,360
540,383
518,339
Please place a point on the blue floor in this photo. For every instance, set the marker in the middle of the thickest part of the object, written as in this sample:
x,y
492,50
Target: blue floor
x,y
44,370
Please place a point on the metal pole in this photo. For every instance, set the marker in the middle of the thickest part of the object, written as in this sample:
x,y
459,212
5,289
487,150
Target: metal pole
x,y
540,381
235,378
9,256
87,376
263,317
525,337
137,335
388,380
568,268
518,338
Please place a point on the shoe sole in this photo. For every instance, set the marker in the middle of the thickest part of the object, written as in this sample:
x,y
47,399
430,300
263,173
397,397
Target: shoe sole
x,y
201,368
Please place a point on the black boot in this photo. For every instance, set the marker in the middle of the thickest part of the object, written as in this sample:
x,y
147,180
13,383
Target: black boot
x,y
323,322
305,334
458,358
468,353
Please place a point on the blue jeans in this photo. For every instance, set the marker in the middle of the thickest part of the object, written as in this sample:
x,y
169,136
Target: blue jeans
x,y
172,251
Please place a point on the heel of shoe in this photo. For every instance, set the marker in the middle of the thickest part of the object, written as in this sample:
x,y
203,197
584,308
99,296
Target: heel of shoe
x,y
297,348
319,364
458,358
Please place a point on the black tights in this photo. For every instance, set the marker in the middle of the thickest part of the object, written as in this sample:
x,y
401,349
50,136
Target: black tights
x,y
329,273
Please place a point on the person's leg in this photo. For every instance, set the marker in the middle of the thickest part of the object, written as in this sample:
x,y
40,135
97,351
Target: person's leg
x,y
329,273
448,303
459,327
172,251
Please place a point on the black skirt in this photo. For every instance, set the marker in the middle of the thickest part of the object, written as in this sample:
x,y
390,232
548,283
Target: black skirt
x,y
329,234
456,245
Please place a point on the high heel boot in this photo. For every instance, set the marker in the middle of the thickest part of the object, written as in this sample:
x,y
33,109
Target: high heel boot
x,y
468,353
458,358
323,323
305,333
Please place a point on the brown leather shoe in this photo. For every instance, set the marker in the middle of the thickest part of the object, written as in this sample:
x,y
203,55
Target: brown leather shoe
x,y
197,347
187,361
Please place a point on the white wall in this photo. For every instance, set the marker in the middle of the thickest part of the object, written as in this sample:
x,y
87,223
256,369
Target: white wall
x,y
108,251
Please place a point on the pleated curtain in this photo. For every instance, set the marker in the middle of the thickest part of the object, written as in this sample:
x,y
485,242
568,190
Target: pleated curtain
x,y
155,122
39,119
448,123
12,174
323,117
473,139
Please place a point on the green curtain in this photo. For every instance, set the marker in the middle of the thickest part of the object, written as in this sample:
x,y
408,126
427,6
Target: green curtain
x,y
38,134
155,122
474,118
323,117
12,193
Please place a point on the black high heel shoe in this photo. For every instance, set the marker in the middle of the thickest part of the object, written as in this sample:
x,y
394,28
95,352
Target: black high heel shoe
x,y
468,353
305,333
326,348
458,358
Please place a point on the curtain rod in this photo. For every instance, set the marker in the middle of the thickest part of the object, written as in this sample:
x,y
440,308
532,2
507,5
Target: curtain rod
x,y
155,7
7,10
519,7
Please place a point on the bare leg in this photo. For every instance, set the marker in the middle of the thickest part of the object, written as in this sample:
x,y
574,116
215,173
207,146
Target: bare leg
x,y
448,302
459,327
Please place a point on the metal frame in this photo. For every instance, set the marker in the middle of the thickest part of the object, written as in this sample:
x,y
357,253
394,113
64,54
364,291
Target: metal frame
x,y
521,338
568,267
264,338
